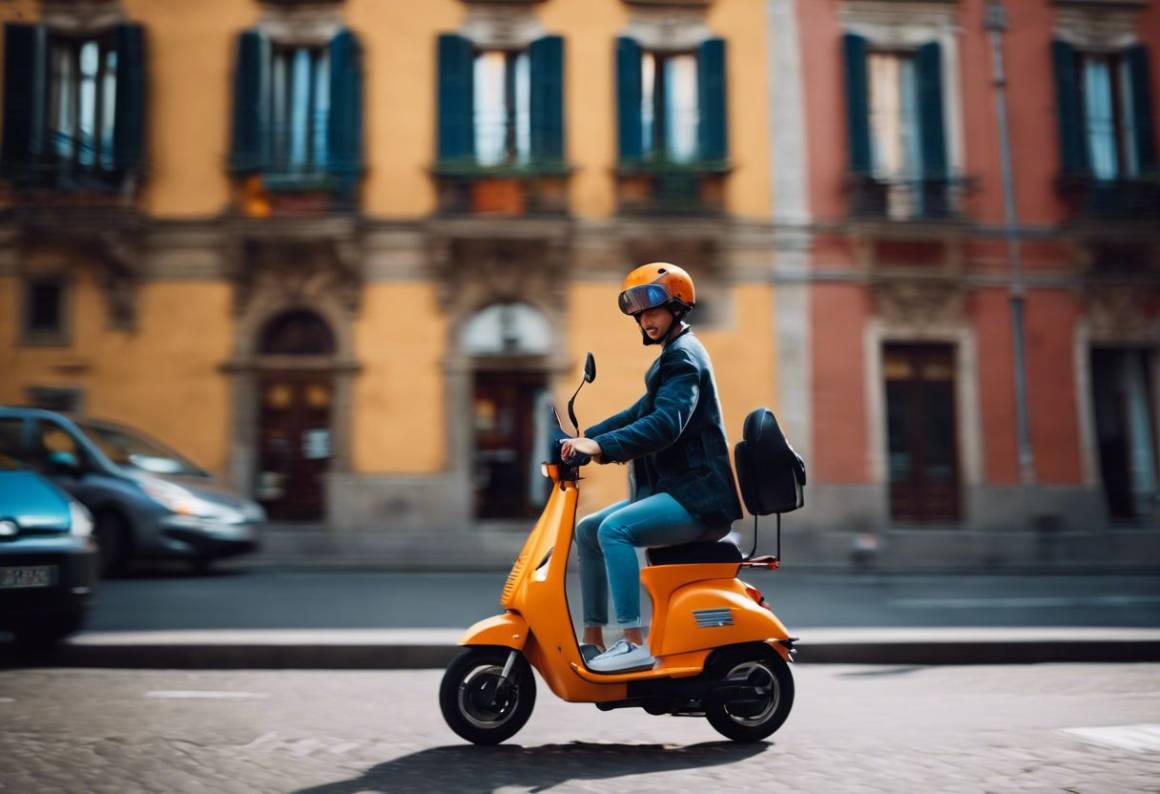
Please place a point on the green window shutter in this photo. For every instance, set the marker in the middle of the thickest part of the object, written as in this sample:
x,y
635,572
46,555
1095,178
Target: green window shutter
x,y
547,68
456,98
928,64
25,92
857,103
1072,146
628,99
712,101
130,128
1142,108
344,131
250,149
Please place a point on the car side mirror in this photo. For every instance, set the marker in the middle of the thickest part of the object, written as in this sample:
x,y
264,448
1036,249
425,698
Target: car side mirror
x,y
589,369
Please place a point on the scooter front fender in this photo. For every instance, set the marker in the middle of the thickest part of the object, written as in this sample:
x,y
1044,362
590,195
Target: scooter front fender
x,y
509,630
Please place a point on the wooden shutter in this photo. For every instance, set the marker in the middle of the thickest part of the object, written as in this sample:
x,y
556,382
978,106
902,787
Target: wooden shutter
x,y
928,65
1069,113
547,77
344,131
1142,113
251,146
456,98
628,99
130,114
712,100
25,92
857,103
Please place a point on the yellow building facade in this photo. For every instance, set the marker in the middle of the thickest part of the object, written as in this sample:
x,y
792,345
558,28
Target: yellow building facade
x,y
278,262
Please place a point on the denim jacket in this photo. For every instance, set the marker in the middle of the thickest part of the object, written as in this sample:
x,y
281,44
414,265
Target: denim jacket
x,y
675,437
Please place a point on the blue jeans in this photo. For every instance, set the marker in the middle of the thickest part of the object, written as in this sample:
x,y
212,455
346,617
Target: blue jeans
x,y
607,541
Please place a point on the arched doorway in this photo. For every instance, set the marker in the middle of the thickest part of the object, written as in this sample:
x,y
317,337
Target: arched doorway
x,y
507,345
295,401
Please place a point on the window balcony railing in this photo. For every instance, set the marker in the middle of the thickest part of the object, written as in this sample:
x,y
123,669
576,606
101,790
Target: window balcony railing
x,y
1132,198
906,199
470,188
667,188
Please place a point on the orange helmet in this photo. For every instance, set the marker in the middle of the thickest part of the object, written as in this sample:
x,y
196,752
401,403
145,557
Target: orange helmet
x,y
657,284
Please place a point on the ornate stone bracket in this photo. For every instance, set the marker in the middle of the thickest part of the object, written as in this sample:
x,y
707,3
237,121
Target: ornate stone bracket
x,y
296,266
914,301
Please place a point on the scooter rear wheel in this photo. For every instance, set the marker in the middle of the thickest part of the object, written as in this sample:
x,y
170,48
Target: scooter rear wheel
x,y
477,704
752,720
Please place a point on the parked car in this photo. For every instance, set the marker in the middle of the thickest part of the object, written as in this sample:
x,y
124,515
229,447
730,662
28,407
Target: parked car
x,y
48,563
147,500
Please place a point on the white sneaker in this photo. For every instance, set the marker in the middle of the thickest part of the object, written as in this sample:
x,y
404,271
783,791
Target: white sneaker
x,y
621,656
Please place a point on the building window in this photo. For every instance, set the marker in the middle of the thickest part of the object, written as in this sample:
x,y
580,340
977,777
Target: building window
x,y
297,118
1106,125
45,317
82,102
1123,401
56,398
898,155
300,108
74,106
1109,129
669,106
503,131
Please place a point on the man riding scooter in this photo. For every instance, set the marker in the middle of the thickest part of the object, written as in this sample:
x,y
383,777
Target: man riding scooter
x,y
682,487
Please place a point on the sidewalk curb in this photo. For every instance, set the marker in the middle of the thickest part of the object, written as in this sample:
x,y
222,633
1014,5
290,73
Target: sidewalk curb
x,y
392,649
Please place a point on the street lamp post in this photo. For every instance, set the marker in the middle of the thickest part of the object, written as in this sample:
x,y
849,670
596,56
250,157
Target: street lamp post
x,y
995,24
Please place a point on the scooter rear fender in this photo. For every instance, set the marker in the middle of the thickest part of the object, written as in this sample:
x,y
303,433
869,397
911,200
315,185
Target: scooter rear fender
x,y
509,630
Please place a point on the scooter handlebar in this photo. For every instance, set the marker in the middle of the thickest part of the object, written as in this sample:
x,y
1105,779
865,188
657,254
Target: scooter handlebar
x,y
578,459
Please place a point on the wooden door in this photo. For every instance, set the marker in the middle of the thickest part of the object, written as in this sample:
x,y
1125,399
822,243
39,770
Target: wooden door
x,y
294,445
505,436
921,432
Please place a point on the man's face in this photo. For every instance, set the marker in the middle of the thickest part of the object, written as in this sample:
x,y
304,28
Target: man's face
x,y
655,322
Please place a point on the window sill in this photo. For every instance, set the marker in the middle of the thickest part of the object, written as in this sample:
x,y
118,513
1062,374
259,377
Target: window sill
x,y
660,167
45,339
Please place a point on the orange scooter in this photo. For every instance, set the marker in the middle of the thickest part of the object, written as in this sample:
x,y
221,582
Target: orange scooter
x,y
720,651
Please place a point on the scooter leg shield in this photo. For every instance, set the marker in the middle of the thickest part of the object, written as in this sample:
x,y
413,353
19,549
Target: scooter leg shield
x,y
509,630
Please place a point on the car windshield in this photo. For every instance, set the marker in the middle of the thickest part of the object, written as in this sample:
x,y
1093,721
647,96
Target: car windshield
x,y
137,452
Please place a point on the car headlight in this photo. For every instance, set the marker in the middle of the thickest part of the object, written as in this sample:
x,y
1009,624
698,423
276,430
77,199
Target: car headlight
x,y
182,502
80,520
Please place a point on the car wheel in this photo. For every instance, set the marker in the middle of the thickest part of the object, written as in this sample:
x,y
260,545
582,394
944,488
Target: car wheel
x,y
44,634
113,543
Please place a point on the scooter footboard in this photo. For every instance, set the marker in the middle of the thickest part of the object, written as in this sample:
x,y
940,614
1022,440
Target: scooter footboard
x,y
509,630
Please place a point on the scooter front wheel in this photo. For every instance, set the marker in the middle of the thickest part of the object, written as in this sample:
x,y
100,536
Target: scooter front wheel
x,y
478,703
752,713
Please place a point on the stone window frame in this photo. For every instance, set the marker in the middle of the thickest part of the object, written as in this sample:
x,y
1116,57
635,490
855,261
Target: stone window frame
x,y
1097,27
905,26
60,336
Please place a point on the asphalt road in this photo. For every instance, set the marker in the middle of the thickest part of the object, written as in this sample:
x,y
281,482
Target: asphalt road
x,y
1068,728
238,599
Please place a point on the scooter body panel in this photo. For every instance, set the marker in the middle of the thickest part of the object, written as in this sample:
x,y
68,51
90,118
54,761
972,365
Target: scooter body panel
x,y
509,630
715,613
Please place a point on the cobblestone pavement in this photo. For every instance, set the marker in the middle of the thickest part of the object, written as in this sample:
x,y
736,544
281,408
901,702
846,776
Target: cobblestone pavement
x,y
897,729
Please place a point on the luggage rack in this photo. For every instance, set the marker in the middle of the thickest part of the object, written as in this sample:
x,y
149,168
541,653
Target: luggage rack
x,y
770,561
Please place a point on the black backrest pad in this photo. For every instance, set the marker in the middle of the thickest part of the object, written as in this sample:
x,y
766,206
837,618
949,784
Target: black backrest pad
x,y
771,474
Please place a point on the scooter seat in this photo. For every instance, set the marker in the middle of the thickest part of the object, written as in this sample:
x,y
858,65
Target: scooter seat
x,y
689,553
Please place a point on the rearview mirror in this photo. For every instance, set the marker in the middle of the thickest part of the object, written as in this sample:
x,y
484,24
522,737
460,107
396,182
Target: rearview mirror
x,y
589,369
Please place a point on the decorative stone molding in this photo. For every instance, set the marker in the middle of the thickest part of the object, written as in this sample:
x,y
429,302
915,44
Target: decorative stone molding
x,y
81,16
1122,310
918,302
298,262
307,24
501,25
668,27
474,272
898,24
1098,26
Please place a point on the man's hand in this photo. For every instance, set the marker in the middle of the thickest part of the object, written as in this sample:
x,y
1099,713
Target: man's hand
x,y
583,445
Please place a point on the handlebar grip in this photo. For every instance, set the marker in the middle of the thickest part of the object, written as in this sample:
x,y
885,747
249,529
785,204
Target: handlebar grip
x,y
579,459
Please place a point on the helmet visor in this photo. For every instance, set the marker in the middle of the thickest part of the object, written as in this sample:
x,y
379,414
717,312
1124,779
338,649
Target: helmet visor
x,y
635,300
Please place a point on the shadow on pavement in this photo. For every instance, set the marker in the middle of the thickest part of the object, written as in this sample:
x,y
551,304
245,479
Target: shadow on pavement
x,y
534,768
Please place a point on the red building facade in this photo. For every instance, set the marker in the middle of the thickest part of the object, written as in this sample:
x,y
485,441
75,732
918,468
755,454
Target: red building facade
x,y
897,277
